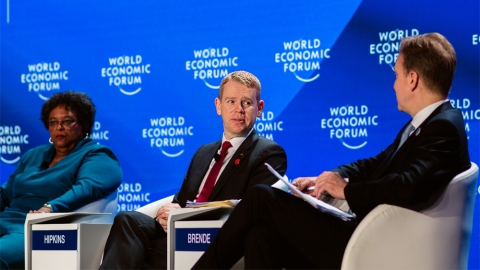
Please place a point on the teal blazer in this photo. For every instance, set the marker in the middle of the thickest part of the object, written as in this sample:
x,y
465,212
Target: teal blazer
x,y
90,172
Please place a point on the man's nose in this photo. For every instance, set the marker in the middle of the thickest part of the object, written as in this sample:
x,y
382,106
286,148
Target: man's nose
x,y
240,108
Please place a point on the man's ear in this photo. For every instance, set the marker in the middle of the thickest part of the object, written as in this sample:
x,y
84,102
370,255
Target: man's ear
x,y
413,79
217,106
261,105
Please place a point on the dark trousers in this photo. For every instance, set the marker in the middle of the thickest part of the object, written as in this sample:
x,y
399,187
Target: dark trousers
x,y
274,229
136,241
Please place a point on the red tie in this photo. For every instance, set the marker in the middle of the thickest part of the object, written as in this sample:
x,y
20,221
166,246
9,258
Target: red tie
x,y
212,176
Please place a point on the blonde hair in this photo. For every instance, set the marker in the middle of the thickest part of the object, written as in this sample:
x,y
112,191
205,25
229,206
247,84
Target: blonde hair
x,y
244,77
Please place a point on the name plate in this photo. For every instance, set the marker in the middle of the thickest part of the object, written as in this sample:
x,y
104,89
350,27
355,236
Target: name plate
x,y
194,239
54,240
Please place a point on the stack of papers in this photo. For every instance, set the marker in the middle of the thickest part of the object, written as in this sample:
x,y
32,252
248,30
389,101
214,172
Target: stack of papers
x,y
320,205
226,203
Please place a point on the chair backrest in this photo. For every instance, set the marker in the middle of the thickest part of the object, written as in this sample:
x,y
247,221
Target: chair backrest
x,y
392,237
457,197
455,209
106,204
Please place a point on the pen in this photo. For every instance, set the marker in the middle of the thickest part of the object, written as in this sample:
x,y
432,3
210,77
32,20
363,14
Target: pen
x,y
324,193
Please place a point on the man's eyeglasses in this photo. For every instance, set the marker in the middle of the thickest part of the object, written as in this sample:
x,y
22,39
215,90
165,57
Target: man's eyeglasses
x,y
67,123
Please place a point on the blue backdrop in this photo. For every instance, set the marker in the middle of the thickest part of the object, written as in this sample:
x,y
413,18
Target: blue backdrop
x,y
153,70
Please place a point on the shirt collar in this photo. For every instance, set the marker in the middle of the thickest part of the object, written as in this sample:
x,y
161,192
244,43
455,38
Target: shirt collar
x,y
237,141
425,112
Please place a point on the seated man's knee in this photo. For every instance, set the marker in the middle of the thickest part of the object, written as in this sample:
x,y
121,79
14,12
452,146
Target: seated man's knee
x,y
261,187
124,217
259,191
121,216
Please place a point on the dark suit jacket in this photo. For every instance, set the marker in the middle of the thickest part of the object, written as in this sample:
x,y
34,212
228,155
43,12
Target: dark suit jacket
x,y
235,179
419,170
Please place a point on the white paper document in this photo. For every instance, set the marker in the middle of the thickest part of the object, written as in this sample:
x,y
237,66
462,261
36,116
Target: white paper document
x,y
320,205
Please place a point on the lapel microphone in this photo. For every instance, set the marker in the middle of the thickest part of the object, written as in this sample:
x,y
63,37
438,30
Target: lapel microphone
x,y
216,157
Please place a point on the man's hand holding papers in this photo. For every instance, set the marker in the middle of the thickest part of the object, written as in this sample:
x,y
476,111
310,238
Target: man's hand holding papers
x,y
320,205
331,183
305,185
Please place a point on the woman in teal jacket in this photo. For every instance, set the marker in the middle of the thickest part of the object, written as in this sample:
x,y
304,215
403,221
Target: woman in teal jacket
x,y
71,172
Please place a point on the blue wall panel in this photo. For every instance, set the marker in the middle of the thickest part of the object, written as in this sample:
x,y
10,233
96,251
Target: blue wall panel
x,y
153,70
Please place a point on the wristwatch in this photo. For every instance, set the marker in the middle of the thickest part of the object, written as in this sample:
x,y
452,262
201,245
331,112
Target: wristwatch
x,y
47,205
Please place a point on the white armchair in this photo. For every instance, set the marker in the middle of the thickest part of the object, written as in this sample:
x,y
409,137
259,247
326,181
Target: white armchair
x,y
391,237
106,204
91,237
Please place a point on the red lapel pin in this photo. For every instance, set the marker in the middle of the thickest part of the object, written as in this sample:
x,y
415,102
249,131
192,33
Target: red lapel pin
x,y
237,161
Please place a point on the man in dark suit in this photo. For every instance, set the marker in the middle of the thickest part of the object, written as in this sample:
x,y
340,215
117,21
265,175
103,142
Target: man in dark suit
x,y
273,229
218,171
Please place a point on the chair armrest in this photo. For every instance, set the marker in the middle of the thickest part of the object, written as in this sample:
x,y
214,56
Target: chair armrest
x,y
152,208
391,237
280,185
106,204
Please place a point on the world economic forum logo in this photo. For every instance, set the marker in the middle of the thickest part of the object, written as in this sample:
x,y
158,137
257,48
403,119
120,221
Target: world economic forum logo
x,y
131,196
168,134
11,141
301,57
470,113
125,72
211,65
350,125
388,46
266,125
99,133
44,78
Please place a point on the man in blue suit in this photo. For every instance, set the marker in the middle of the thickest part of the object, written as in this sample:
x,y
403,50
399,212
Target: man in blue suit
x,y
273,229
138,241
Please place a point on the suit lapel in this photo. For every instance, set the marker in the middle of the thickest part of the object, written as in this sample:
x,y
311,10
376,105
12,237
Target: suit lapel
x,y
242,152
391,151
201,168
413,137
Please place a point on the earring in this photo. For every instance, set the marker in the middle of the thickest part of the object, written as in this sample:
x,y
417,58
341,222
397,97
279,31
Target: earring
x,y
86,135
50,140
